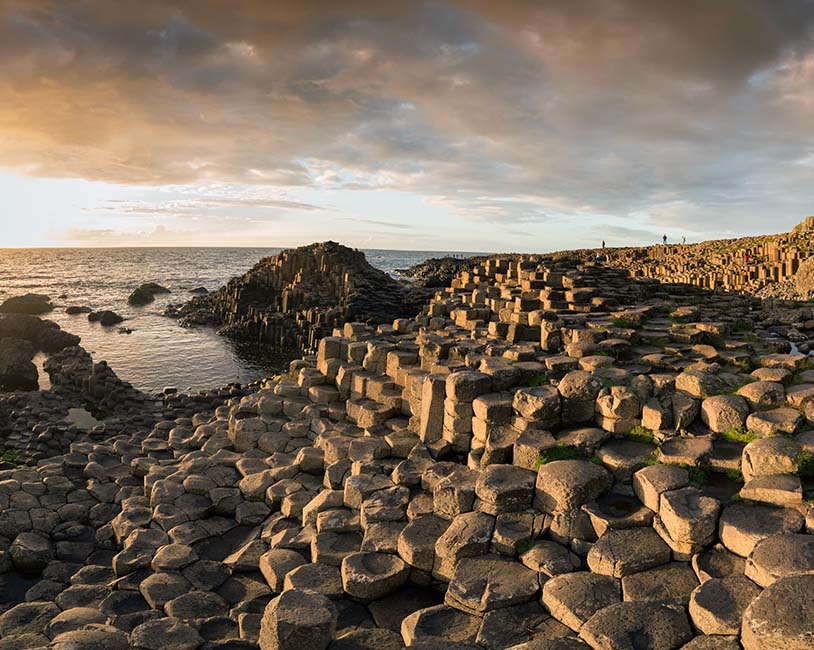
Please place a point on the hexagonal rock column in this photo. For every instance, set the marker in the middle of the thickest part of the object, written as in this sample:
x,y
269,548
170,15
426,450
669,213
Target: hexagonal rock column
x,y
482,584
687,520
624,625
505,488
578,390
566,485
741,526
780,556
619,553
368,576
716,607
296,620
572,598
781,617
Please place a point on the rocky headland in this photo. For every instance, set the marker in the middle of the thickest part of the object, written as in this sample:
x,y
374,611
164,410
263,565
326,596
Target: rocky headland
x,y
289,301
551,454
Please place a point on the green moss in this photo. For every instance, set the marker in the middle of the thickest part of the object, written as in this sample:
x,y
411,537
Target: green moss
x,y
738,434
12,456
539,380
524,546
641,434
607,382
559,452
735,475
623,323
698,476
805,465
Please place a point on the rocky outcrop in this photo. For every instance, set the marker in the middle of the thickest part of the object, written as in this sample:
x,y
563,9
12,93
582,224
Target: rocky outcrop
x,y
21,336
438,271
145,293
290,300
770,266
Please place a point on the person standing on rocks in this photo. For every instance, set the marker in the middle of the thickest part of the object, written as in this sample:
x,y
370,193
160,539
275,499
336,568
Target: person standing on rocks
x,y
664,239
603,244
683,240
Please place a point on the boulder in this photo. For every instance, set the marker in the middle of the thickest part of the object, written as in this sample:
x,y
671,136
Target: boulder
x,y
30,553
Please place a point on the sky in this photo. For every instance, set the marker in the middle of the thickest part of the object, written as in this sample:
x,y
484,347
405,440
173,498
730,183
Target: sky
x,y
468,125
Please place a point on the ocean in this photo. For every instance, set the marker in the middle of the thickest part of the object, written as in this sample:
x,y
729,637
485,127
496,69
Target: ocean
x,y
158,352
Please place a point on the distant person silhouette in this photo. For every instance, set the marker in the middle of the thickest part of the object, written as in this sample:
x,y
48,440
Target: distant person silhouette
x,y
603,244
683,240
664,239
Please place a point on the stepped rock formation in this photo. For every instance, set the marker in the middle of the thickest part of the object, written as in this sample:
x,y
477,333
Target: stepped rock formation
x,y
766,265
551,455
290,300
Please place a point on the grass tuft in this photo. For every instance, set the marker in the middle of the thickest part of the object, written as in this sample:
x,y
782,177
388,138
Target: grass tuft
x,y
698,477
559,452
641,434
738,434
805,465
539,380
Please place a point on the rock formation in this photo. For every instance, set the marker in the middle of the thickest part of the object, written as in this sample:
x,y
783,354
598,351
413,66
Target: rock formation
x,y
438,271
290,300
765,265
551,455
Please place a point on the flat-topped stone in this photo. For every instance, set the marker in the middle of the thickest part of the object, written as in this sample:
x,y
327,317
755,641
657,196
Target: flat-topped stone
x,y
486,583
625,551
572,598
717,606
781,616
629,625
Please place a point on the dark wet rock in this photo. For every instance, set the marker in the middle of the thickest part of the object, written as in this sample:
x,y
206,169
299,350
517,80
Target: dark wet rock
x,y
17,371
77,309
29,303
106,318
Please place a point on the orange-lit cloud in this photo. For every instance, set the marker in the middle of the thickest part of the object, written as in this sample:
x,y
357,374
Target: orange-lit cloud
x,y
688,113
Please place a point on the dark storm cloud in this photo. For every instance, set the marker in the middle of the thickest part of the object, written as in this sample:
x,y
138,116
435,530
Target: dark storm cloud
x,y
691,113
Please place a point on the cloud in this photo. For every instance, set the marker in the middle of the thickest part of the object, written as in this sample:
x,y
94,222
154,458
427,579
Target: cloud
x,y
693,115
376,222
